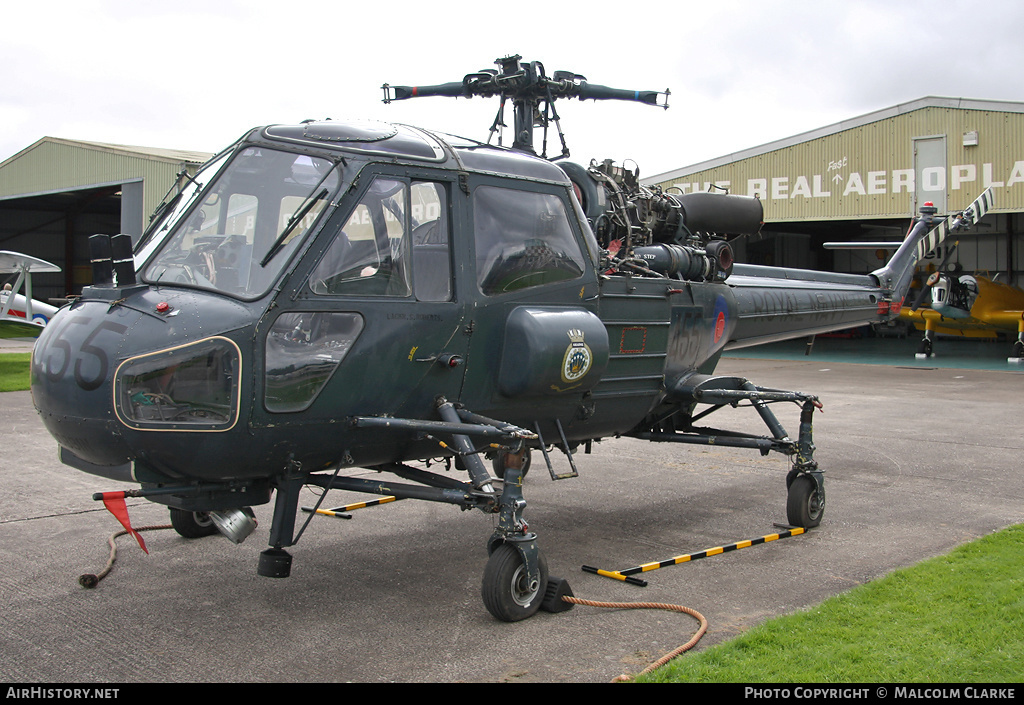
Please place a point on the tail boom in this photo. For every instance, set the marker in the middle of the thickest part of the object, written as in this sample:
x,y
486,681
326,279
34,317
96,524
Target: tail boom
x,y
776,303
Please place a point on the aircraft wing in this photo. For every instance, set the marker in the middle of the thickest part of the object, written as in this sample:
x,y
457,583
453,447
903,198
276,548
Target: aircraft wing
x,y
970,327
14,327
17,319
11,262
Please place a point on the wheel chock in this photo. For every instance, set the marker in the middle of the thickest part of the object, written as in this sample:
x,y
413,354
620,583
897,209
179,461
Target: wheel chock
x,y
557,589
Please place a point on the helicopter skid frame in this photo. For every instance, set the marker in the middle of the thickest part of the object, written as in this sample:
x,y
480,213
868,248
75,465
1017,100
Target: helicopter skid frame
x,y
805,483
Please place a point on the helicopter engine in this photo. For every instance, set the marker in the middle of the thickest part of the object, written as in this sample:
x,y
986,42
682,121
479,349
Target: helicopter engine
x,y
651,232
953,296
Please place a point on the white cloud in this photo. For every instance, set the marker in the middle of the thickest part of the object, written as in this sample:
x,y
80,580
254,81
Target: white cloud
x,y
195,75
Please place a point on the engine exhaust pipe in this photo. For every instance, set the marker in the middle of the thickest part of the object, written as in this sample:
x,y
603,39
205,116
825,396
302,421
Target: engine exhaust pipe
x,y
101,258
123,259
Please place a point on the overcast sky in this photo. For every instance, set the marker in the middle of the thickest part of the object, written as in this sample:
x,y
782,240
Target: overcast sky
x,y
196,74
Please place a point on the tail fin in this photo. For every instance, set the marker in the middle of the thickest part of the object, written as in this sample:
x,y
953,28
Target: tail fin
x,y
896,275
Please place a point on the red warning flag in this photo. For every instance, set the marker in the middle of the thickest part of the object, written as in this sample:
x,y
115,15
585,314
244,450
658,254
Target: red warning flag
x,y
114,502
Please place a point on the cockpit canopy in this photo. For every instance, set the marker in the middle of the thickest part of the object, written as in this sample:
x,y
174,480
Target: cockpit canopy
x,y
235,227
252,216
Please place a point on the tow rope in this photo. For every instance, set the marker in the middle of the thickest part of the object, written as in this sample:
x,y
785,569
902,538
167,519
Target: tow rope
x,y
656,606
114,502
91,580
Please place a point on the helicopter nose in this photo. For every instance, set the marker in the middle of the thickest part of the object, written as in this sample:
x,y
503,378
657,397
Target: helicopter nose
x,y
103,372
71,369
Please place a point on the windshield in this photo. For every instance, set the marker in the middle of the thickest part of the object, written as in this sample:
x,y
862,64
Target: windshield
x,y
248,224
171,209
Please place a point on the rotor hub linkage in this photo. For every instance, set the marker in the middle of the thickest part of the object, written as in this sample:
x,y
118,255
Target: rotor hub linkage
x,y
528,86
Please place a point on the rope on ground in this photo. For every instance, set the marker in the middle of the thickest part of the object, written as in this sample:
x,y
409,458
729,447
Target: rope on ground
x,y
651,605
89,580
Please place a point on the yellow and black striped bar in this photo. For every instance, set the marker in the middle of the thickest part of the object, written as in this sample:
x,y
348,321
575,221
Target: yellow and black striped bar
x,y
646,567
339,512
615,575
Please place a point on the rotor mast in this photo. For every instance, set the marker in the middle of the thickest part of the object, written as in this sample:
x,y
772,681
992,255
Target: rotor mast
x,y
529,88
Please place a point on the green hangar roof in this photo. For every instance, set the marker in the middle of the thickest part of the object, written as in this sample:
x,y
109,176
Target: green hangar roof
x,y
54,169
55,193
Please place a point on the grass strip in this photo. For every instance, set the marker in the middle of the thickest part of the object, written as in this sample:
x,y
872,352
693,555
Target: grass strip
x,y
957,618
14,372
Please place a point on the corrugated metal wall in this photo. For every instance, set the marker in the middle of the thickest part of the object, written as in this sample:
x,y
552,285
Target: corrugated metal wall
x,y
55,193
870,170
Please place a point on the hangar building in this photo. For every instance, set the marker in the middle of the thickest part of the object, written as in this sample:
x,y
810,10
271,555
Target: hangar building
x,y
864,178
55,193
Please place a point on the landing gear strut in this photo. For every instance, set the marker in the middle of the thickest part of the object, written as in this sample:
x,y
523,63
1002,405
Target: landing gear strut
x,y
516,576
805,501
924,350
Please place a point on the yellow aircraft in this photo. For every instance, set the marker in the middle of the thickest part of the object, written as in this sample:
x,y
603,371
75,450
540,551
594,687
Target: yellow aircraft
x,y
969,305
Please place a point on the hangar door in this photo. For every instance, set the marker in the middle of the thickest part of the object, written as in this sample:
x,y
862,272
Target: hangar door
x,y
930,171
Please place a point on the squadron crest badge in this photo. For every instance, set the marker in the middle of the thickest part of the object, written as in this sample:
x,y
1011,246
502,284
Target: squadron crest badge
x,y
578,358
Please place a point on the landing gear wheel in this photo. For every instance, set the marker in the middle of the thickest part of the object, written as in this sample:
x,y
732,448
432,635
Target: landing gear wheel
x,y
925,348
506,590
192,525
805,504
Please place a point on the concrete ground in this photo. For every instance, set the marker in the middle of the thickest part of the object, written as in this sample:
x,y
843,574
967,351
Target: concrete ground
x,y
917,460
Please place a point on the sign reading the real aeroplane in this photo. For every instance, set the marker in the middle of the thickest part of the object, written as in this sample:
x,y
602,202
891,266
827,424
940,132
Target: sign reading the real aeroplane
x,y
884,165
839,181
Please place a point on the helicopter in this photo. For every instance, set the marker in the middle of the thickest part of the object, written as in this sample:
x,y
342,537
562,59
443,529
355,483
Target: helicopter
x,y
330,297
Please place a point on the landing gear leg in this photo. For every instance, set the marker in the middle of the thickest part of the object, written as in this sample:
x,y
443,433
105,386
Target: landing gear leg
x,y
1017,353
805,502
516,575
924,350
275,562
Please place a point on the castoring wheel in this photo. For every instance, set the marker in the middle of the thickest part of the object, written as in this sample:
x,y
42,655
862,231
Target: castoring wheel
x,y
192,525
805,503
507,592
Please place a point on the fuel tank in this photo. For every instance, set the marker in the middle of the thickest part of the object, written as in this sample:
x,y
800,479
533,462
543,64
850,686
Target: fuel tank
x,y
550,351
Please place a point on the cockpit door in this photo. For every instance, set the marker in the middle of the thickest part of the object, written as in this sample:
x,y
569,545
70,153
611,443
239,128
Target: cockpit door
x,y
374,326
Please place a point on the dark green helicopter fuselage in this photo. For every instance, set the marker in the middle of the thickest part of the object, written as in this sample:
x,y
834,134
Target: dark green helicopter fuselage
x,y
230,360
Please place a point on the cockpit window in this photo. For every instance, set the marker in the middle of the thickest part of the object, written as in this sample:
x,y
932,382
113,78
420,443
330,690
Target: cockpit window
x,y
523,239
250,221
394,243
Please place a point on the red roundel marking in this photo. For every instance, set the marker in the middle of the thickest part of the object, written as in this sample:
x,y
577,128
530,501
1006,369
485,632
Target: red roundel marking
x,y
719,326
